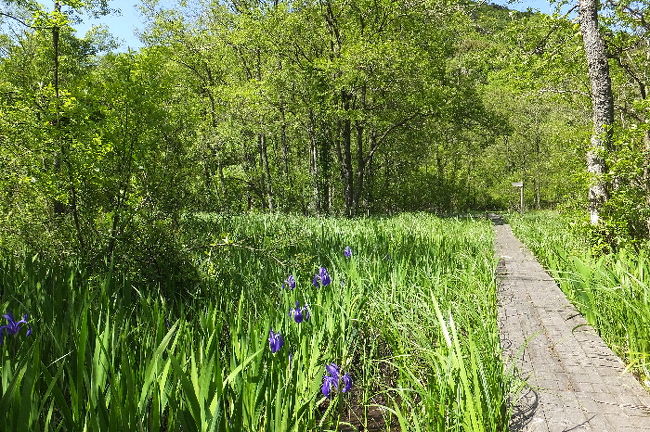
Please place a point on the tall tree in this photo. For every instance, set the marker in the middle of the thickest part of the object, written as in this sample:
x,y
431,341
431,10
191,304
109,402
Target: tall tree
x,y
602,105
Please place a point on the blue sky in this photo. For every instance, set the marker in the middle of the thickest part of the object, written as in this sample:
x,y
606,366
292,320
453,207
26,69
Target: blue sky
x,y
522,5
125,25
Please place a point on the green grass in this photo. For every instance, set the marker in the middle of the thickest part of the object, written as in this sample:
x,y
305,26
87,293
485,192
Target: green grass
x,y
411,316
612,291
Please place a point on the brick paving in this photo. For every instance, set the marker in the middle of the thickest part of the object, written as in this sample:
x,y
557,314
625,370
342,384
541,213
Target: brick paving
x,y
574,382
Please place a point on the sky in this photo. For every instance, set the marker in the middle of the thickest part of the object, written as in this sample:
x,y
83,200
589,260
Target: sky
x,y
522,5
125,25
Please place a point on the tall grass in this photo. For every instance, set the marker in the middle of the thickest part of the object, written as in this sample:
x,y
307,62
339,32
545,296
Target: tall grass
x,y
612,291
411,316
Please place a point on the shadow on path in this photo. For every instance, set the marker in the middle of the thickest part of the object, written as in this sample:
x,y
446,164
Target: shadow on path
x,y
496,219
524,411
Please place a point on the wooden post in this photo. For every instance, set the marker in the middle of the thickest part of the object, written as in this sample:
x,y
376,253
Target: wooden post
x,y
520,185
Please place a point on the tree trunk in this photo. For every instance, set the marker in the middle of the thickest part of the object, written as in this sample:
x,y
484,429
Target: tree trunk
x,y
602,104
361,158
268,185
346,162
361,168
63,157
207,176
285,147
315,205
319,166
646,172
59,206
324,163
348,179
222,181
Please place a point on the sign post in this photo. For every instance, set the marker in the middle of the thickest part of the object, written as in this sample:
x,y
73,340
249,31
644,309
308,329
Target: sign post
x,y
520,185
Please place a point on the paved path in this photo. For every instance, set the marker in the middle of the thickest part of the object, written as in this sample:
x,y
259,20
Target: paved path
x,y
575,382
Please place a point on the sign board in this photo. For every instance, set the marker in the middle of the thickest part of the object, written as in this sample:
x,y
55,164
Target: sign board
x,y
518,184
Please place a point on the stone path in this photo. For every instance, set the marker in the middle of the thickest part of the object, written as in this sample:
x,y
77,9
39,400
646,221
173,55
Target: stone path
x,y
574,381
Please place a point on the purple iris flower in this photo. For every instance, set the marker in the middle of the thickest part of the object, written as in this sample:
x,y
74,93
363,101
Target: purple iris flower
x,y
347,252
13,327
347,383
329,384
275,341
289,282
333,370
322,278
300,314
332,381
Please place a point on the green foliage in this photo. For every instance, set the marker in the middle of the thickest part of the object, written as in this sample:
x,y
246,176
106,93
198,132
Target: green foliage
x,y
313,107
318,107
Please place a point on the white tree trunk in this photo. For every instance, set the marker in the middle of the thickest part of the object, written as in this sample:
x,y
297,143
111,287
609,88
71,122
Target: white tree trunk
x,y
602,104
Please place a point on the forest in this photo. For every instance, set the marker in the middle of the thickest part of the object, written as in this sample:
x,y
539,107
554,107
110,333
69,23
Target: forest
x,y
271,216
313,108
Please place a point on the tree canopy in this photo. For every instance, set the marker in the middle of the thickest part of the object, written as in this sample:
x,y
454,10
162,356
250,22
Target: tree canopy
x,y
327,107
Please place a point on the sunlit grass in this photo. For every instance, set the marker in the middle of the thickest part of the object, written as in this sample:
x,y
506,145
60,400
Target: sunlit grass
x,y
411,317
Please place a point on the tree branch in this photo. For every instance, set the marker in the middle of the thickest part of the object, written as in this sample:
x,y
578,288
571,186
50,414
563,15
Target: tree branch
x,y
387,132
24,23
560,91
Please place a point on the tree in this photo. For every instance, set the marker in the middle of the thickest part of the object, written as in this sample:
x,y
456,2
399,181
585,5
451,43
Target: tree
x,y
602,105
